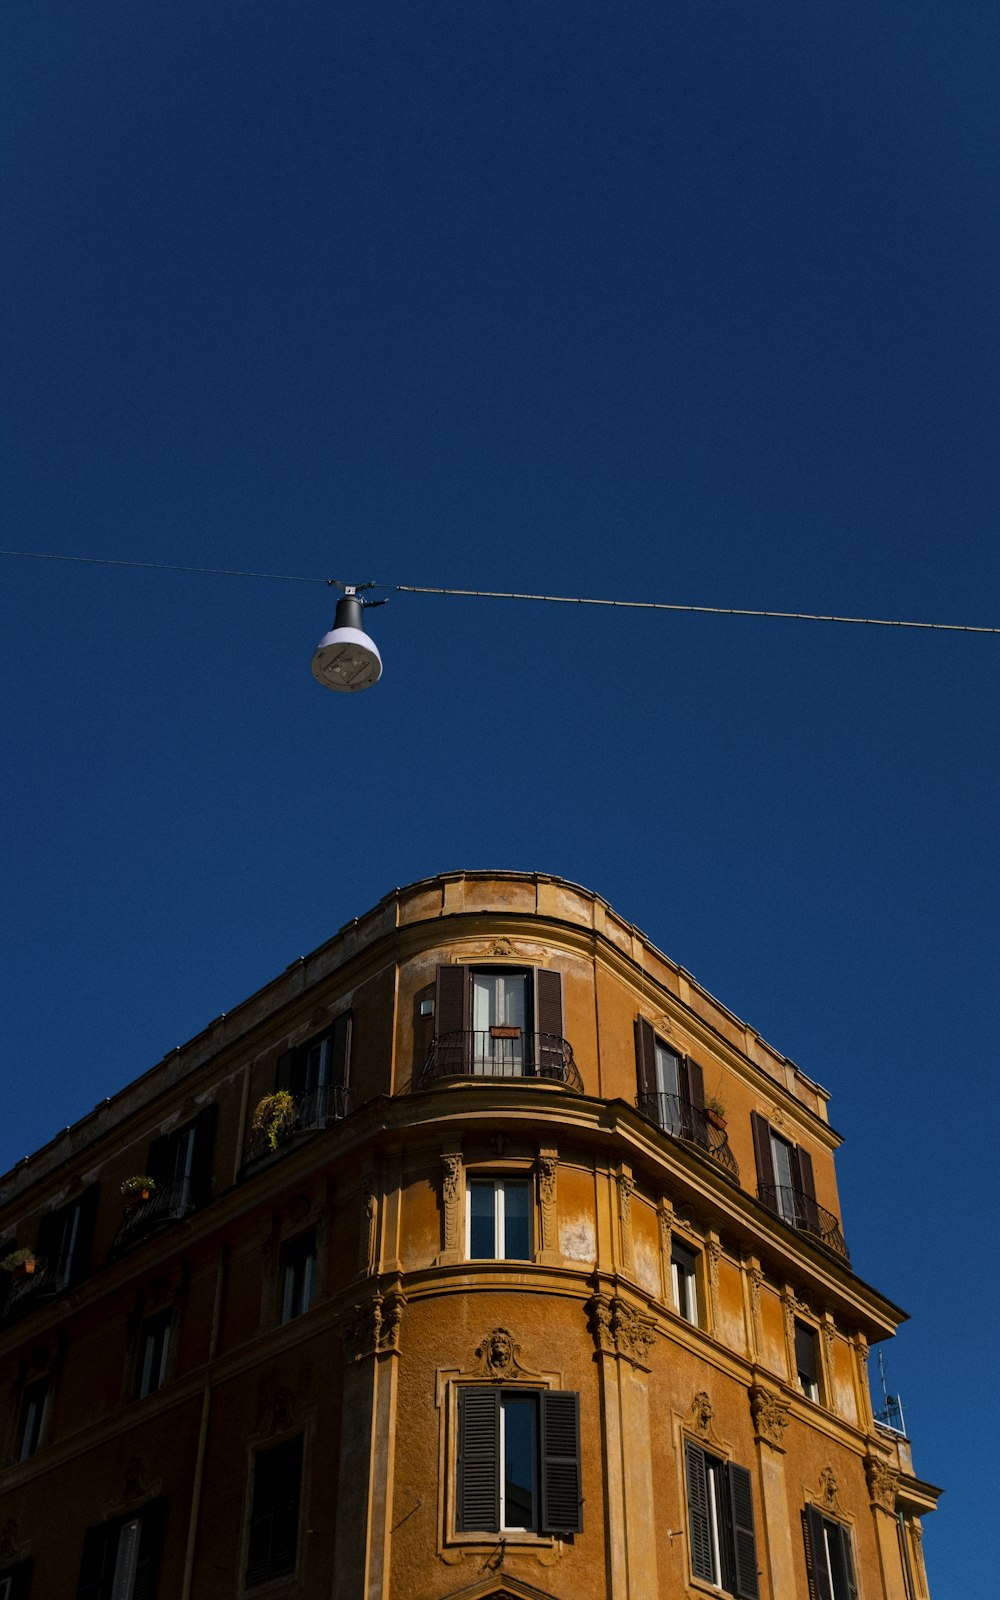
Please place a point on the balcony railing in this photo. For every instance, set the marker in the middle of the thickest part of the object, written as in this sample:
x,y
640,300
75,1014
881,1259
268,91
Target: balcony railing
x,y
313,1110
692,1124
500,1052
801,1211
167,1203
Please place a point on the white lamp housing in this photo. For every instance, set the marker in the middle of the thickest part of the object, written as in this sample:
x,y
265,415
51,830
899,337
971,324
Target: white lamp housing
x,y
345,658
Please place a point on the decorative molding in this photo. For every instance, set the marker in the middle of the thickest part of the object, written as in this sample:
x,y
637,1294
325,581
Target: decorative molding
x,y
299,1208
546,1167
500,947
373,1327
368,1256
452,1176
498,1357
703,1417
620,1330
665,1221
626,1189
282,1410
883,1482
829,1489
713,1251
756,1278
770,1416
829,1332
11,1547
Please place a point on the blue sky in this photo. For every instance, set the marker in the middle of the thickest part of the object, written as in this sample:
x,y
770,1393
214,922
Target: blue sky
x,y
693,302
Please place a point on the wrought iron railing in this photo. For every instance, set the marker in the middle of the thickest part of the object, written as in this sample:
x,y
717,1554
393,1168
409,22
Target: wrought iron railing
x,y
167,1203
313,1110
689,1122
49,1276
500,1052
801,1211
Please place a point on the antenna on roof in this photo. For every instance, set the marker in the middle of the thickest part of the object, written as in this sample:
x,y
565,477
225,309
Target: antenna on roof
x,y
890,1414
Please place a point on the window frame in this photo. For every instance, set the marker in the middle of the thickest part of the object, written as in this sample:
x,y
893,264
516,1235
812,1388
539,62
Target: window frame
x,y
477,1459
256,1514
500,1183
36,1407
824,1582
722,1540
298,1293
160,1323
808,1373
102,1549
688,1273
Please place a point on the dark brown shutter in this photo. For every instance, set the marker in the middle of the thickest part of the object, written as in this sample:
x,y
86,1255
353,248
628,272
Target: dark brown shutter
x,y
848,1562
548,1002
694,1083
451,1008
762,1153
100,1547
150,1541
80,1264
807,1189
816,1571
744,1541
284,1072
700,1538
645,1065
478,1507
159,1159
562,1499
340,1051
204,1141
805,1352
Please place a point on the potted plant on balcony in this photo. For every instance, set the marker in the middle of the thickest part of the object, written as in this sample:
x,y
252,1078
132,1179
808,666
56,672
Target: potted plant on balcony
x,y
138,1188
19,1263
275,1116
715,1113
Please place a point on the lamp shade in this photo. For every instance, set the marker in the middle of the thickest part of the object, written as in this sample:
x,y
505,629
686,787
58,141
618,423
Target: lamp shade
x,y
345,658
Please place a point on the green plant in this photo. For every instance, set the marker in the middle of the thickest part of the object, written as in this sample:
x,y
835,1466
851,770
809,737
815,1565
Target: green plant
x,y
137,1183
714,1105
274,1116
16,1258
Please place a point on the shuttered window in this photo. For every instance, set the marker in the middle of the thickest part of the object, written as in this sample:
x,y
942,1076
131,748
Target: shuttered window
x,y
121,1558
807,1360
181,1163
829,1559
784,1176
518,1461
64,1239
720,1523
274,1515
320,1063
671,1086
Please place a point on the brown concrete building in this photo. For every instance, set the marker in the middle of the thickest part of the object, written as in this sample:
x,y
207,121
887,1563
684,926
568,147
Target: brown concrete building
x,y
481,1254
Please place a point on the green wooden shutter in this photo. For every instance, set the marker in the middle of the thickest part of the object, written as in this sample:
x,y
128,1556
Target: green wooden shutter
x,y
816,1568
699,1532
478,1497
562,1499
744,1541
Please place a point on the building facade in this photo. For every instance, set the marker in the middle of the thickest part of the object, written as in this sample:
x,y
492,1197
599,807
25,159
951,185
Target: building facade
x,y
480,1254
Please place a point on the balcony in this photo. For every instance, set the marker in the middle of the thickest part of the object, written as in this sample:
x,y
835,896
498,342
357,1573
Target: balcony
x,y
500,1053
29,1288
692,1125
310,1112
168,1203
800,1211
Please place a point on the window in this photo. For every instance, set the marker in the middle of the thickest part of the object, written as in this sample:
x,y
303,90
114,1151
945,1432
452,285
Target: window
x,y
63,1245
298,1277
671,1086
784,1176
120,1557
807,1360
720,1522
181,1164
498,1218
518,1461
15,1583
274,1515
33,1417
316,1074
684,1279
829,1562
154,1353
500,1022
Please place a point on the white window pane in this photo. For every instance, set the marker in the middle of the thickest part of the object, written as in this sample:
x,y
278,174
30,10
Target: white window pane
x,y
127,1560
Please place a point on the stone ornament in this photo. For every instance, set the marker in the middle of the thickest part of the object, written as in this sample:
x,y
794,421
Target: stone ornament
x,y
626,1188
368,1227
756,1277
11,1548
546,1169
770,1416
498,1357
883,1482
619,1330
829,1488
702,1416
373,1327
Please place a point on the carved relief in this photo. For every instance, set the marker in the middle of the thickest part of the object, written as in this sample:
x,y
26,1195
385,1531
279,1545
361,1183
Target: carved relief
x,y
770,1416
546,1169
135,1486
626,1189
665,1220
299,1209
619,1329
702,1415
498,1356
368,1260
373,1327
829,1489
756,1277
500,947
713,1251
282,1410
829,1335
883,1482
11,1548
451,1164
